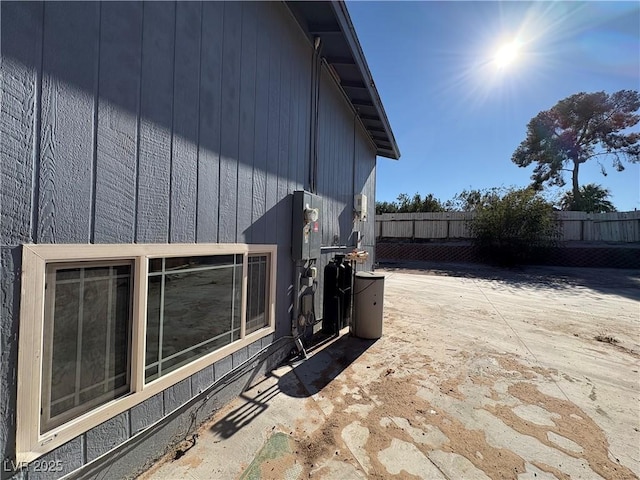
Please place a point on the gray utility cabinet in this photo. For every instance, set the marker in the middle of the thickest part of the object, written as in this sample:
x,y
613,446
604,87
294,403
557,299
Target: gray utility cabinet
x,y
306,226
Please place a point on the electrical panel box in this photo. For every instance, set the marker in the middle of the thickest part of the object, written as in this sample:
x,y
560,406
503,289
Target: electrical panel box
x,y
360,206
306,226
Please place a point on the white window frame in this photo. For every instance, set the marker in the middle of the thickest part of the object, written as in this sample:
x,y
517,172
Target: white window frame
x,y
30,443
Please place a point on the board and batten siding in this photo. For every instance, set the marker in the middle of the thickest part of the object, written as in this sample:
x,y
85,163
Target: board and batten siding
x,y
162,122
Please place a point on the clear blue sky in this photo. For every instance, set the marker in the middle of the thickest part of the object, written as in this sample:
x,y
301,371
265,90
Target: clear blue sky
x,y
457,118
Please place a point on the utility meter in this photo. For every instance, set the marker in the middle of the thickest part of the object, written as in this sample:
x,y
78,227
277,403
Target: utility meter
x,y
306,231
310,214
360,206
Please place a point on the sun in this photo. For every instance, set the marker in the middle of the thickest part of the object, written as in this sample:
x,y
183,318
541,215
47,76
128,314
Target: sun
x,y
507,55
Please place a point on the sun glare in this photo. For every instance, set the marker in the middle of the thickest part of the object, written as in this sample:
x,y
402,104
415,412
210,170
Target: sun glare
x,y
507,55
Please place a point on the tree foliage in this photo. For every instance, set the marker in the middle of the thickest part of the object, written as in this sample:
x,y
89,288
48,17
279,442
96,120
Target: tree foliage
x,y
579,128
406,204
514,227
593,199
471,200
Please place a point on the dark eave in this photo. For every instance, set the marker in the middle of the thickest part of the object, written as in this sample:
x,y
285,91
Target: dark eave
x,y
342,51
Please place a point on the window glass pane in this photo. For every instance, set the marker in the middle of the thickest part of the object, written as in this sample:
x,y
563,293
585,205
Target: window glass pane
x,y
183,263
188,356
197,307
191,312
257,277
153,319
96,316
86,342
155,265
237,298
65,340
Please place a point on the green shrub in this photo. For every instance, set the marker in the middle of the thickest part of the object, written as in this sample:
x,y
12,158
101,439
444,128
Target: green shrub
x,y
515,228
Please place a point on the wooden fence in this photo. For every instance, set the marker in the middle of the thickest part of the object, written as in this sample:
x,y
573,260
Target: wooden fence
x,y
574,226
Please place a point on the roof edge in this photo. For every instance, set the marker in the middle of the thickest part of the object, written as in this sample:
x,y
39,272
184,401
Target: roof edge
x,y
344,20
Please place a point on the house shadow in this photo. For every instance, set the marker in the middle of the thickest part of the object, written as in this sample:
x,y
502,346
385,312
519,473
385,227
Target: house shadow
x,y
313,374
306,377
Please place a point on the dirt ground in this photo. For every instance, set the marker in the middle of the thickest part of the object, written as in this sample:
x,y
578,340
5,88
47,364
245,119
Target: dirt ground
x,y
480,373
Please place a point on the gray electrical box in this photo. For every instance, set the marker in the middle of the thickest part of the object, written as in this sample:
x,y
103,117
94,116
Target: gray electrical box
x,y
306,226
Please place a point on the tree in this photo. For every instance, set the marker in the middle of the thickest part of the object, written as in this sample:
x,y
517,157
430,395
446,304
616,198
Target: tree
x,y
406,204
470,200
417,204
514,227
593,199
386,207
579,128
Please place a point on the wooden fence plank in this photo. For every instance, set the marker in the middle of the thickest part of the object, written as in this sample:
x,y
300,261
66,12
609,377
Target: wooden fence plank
x,y
574,226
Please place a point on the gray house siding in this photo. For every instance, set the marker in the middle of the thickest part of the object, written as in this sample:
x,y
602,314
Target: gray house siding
x,y
164,122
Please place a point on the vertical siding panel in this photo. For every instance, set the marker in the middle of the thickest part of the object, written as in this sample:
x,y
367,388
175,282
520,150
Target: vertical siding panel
x,y
247,122
258,226
302,100
154,153
272,131
332,160
210,99
284,205
184,164
116,169
232,31
346,215
283,220
366,183
69,55
294,135
21,51
343,161
21,43
324,153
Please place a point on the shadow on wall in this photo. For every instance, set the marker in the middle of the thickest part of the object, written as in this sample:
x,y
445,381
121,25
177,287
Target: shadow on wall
x,y
10,284
273,226
304,380
117,51
611,281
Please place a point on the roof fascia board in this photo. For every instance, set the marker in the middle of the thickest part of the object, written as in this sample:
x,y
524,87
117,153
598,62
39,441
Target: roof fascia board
x,y
344,20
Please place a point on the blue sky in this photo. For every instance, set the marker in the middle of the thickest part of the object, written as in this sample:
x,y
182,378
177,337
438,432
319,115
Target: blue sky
x,y
457,118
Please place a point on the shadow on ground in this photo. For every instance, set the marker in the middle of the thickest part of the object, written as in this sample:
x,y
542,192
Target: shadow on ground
x,y
317,371
614,281
305,378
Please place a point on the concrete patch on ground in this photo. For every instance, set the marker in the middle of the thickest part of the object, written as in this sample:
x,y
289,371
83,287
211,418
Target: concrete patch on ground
x,y
535,414
336,470
534,473
456,466
427,435
406,456
564,442
355,437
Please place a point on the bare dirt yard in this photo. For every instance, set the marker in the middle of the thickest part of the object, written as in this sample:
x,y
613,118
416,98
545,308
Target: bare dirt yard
x,y
480,373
